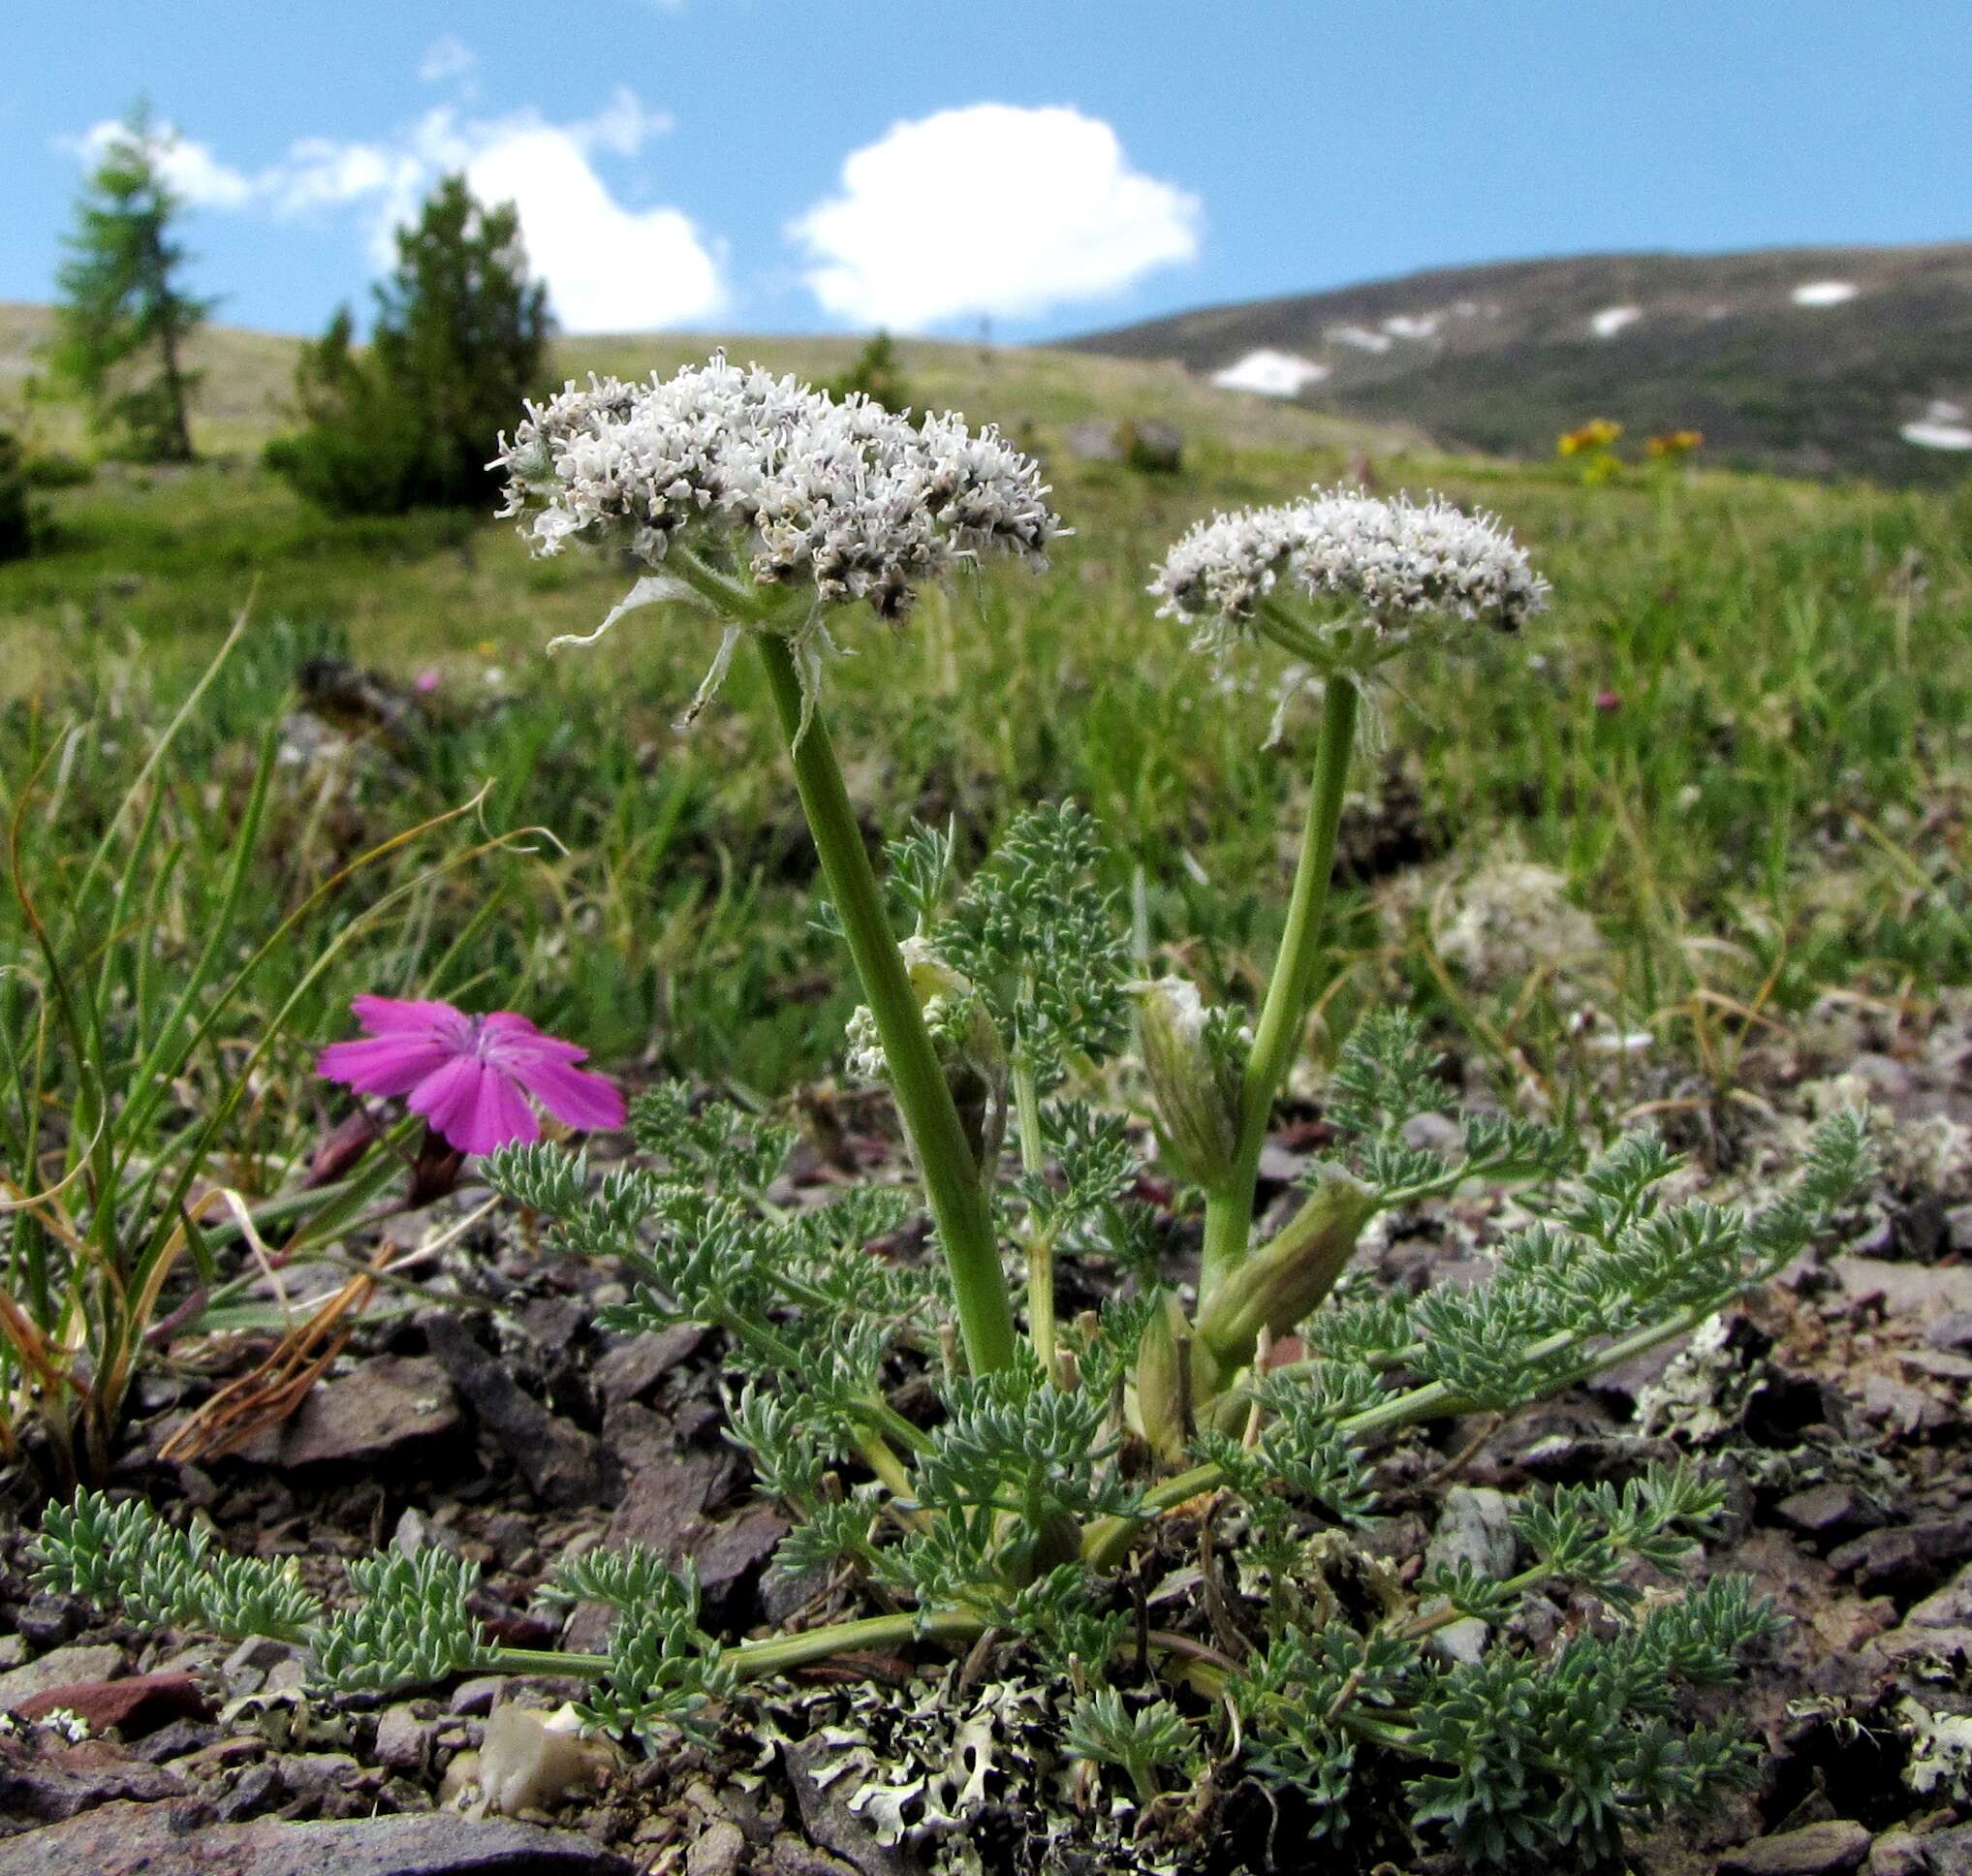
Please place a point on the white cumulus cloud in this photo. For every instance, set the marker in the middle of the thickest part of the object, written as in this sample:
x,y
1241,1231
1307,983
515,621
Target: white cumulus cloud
x,y
191,169
448,56
989,209
608,267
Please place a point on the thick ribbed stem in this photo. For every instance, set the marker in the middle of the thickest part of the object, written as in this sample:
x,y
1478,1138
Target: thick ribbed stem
x,y
1229,1209
951,1179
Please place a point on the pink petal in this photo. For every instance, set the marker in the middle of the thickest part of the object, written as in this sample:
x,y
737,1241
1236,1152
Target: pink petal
x,y
573,1096
384,1064
514,1039
475,1107
384,1016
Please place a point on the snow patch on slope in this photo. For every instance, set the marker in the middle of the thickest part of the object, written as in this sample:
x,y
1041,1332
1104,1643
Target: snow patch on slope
x,y
1271,373
1359,336
1931,434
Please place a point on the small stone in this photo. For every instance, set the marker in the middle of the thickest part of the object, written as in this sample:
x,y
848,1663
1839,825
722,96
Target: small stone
x,y
404,1736
1905,1289
1888,1079
638,1436
1949,1647
136,1704
1910,1559
177,1740
389,1404
1475,1527
563,1465
415,1532
1940,1363
46,1621
257,1789
63,1668
1900,1407
474,1699
126,1837
718,1849
13,1650
1896,1853
794,1857
1435,1132
312,1775
1830,1849
1951,1332
1949,1607
43,1782
1828,1510
1948,1853
247,1666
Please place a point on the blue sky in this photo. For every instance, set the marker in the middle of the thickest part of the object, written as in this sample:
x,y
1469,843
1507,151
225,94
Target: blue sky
x,y
750,165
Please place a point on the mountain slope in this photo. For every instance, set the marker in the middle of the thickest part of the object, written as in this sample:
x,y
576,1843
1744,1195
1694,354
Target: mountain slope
x,y
1808,361
247,379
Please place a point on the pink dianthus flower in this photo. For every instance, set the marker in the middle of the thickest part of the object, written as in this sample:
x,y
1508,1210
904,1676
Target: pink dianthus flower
x,y
475,1079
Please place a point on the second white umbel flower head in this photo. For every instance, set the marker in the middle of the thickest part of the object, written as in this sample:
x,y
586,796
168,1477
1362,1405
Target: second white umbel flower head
x,y
1347,578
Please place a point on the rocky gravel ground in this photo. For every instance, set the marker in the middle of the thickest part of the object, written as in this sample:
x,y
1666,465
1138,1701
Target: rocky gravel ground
x,y
484,1412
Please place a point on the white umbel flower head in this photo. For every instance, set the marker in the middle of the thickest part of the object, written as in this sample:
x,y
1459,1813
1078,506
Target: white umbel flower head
x,y
797,488
1375,573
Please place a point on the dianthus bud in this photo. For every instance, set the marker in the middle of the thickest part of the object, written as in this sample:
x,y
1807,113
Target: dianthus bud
x,y
1194,1060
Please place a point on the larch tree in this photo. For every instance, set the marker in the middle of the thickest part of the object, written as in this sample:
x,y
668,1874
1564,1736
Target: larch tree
x,y
460,339
125,317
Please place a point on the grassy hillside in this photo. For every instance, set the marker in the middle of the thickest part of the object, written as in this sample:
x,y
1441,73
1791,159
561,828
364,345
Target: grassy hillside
x,y
1739,739
1808,361
247,378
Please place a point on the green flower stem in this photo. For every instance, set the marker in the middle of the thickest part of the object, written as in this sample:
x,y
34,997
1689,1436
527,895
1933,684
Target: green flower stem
x,y
1106,1540
885,1464
1229,1209
774,1654
1040,1241
951,1179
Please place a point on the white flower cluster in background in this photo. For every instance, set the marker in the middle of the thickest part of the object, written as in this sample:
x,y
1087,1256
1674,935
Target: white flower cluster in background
x,y
1390,565
808,490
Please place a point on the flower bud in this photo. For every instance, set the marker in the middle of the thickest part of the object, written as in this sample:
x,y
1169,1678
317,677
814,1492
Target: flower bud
x,y
1278,1286
1193,1058
1163,1381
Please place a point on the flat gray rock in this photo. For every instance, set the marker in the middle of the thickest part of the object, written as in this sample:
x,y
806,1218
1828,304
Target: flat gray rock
x,y
137,1840
1830,1849
390,1402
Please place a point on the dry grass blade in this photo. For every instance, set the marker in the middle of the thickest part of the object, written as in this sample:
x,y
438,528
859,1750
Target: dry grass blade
x,y
266,1395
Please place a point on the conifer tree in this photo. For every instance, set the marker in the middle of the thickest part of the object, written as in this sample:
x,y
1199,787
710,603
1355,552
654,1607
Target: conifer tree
x,y
460,340
124,317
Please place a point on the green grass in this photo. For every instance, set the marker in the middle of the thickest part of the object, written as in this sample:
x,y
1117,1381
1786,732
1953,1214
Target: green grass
x,y
1777,805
